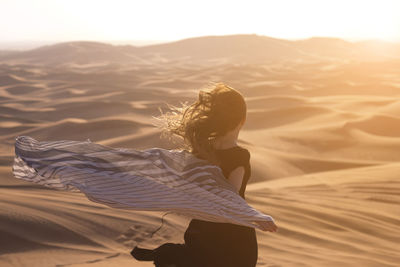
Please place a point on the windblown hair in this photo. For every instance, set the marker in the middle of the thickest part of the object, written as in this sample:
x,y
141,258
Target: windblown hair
x,y
218,110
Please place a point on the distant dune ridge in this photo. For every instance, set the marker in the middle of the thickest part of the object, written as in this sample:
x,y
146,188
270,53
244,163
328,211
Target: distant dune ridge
x,y
248,48
322,128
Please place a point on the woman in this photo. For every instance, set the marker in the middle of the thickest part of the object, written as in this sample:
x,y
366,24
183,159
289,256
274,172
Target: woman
x,y
210,128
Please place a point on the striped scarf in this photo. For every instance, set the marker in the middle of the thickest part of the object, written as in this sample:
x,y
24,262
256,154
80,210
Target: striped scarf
x,y
155,179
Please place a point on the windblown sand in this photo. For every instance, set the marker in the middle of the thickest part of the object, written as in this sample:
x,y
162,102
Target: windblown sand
x,y
324,138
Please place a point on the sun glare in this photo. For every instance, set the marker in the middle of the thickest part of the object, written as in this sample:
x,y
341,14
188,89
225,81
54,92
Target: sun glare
x,y
174,19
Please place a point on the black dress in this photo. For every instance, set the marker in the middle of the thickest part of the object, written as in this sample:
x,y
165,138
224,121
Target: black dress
x,y
211,244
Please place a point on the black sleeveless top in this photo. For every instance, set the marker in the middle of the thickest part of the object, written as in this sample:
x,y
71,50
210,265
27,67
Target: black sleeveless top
x,y
233,157
214,244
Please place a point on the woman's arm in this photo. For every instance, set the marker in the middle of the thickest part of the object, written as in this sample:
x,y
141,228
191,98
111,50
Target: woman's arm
x,y
236,177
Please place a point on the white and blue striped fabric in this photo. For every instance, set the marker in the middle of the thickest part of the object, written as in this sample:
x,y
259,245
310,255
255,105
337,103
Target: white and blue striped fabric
x,y
155,179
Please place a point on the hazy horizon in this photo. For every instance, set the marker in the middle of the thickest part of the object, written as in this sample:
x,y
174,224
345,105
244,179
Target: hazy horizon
x,y
32,44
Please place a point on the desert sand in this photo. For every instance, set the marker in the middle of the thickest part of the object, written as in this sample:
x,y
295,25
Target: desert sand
x,y
323,130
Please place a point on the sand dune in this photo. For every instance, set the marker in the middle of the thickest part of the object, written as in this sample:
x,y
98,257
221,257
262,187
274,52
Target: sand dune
x,y
382,125
347,217
322,129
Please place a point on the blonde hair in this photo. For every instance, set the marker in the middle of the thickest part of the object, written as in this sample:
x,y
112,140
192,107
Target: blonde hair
x,y
218,110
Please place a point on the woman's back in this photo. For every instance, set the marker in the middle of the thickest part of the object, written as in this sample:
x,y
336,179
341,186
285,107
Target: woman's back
x,y
224,244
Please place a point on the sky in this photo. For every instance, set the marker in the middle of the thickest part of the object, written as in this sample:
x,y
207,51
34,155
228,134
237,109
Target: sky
x,y
168,20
